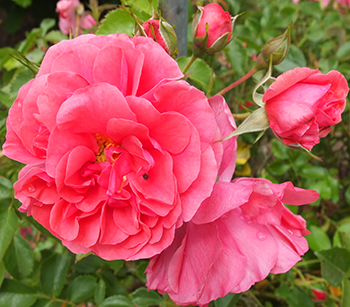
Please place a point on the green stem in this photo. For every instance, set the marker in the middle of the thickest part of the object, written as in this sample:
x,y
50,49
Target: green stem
x,y
239,81
307,262
58,300
77,27
301,276
252,295
189,63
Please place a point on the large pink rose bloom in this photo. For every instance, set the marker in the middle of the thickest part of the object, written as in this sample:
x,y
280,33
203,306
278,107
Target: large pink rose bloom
x,y
238,236
303,103
67,10
118,154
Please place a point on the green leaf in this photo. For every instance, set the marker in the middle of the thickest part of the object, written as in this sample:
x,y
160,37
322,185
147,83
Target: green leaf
x,y
8,225
142,5
89,264
19,258
2,272
144,298
256,121
280,150
14,294
46,25
117,21
200,71
229,300
23,3
344,51
100,292
298,298
267,17
279,167
55,36
347,195
5,55
318,240
53,274
345,299
335,263
81,288
116,265
117,301
20,79
283,290
140,271
237,56
314,172
46,303
5,190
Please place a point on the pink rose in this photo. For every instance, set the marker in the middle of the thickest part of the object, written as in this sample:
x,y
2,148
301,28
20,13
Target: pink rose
x,y
238,236
67,10
119,154
212,28
302,104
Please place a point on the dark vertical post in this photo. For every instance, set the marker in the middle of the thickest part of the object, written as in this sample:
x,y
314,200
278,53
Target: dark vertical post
x,y
176,13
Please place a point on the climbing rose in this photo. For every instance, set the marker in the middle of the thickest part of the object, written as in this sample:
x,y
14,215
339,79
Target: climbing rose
x,y
303,103
238,236
118,153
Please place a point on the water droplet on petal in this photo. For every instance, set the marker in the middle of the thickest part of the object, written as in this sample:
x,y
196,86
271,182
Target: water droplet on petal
x,y
261,235
31,189
19,105
19,119
291,232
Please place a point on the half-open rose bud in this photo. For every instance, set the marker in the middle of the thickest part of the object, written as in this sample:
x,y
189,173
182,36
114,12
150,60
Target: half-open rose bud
x,y
211,29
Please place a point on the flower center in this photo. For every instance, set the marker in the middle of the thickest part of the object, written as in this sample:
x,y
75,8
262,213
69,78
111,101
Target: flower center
x,y
104,143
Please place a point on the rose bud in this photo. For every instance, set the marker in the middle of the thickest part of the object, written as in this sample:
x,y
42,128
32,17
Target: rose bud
x,y
303,103
162,33
276,48
211,29
319,295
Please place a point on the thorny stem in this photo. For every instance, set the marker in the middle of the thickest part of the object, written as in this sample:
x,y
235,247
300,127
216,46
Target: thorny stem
x,y
239,81
189,63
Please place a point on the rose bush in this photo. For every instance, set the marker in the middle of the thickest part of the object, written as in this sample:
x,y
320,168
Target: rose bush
x,y
238,236
212,28
303,103
68,10
118,154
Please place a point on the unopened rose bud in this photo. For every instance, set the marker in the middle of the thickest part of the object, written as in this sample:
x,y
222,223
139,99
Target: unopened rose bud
x,y
162,33
275,50
319,295
211,29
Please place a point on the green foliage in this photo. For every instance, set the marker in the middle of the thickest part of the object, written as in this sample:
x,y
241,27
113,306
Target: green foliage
x,y
117,21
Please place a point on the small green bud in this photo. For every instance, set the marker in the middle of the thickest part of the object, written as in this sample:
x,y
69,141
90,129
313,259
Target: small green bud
x,y
275,50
